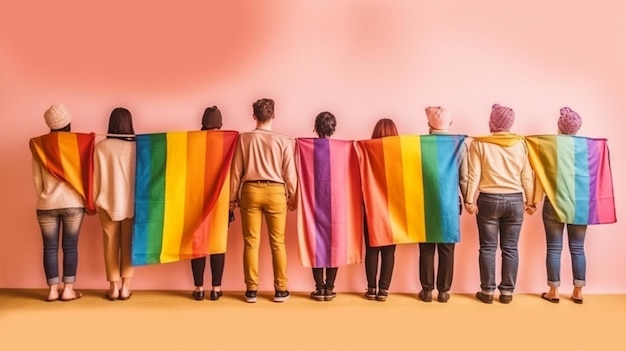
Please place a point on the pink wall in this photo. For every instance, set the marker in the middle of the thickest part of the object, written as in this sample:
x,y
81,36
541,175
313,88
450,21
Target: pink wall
x,y
363,60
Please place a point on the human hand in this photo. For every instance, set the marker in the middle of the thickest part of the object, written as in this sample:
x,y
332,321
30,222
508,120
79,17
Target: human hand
x,y
291,205
233,204
471,208
530,209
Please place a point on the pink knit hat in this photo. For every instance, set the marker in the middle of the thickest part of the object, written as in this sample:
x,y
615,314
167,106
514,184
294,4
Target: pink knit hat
x,y
438,117
569,123
501,119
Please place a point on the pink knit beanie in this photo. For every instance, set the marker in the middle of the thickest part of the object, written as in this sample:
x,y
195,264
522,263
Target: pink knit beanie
x,y
569,123
501,119
438,117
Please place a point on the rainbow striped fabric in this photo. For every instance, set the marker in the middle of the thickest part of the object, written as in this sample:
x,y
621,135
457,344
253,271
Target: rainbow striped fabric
x,y
69,157
330,205
575,174
181,200
411,187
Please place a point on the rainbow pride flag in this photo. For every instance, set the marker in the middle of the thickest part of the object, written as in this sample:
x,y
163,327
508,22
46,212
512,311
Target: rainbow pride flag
x,y
411,188
330,205
69,157
575,173
181,201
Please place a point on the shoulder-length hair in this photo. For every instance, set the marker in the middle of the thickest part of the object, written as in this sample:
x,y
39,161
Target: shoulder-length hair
x,y
383,128
121,122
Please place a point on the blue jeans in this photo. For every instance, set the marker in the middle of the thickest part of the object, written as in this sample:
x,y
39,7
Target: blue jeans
x,y
50,223
499,216
554,240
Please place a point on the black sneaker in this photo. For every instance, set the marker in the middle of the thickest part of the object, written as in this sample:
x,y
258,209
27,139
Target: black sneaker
x,y
370,294
215,295
329,294
382,295
281,296
318,295
506,299
250,296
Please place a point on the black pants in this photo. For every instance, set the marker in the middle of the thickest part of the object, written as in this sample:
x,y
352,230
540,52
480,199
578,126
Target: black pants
x,y
318,275
217,269
387,259
445,267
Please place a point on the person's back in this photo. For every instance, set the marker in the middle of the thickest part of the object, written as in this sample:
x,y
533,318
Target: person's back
x,y
263,185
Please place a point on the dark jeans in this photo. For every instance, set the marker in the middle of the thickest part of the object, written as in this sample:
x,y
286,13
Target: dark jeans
x,y
499,216
554,241
318,275
217,269
387,259
445,268
52,222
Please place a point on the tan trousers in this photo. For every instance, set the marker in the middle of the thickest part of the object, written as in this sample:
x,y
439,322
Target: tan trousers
x,y
117,246
258,200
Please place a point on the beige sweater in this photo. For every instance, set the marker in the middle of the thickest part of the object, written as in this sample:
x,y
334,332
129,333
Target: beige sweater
x,y
114,178
263,155
495,169
53,193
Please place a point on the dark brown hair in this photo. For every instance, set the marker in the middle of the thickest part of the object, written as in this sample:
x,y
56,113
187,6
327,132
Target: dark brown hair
x,y
263,109
384,127
67,128
121,122
325,124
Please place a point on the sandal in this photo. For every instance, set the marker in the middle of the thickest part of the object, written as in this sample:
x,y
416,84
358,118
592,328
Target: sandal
x,y
548,298
77,295
110,297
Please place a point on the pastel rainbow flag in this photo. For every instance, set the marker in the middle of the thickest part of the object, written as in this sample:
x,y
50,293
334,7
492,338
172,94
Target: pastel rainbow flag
x,y
181,201
575,173
411,188
69,157
330,205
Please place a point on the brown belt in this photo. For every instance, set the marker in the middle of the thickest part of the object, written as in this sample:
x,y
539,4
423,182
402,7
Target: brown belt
x,y
262,182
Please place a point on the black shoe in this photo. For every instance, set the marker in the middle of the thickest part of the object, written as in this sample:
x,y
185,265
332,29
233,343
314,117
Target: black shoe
x,y
329,294
370,294
382,295
318,295
505,298
484,297
443,296
215,295
198,295
281,296
426,296
250,296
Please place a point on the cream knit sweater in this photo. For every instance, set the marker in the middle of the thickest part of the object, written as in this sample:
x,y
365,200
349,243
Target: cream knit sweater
x,y
114,178
53,193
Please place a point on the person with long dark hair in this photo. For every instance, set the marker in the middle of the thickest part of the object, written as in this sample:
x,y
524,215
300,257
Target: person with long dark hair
x,y
379,290
114,192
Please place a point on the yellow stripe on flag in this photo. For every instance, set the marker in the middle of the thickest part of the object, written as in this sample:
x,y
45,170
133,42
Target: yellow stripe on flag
x,y
175,194
395,187
413,187
70,159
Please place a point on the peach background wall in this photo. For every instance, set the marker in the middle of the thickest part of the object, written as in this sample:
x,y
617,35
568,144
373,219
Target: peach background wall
x,y
361,59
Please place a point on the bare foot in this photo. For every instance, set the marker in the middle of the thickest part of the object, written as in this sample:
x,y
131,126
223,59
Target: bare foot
x,y
53,294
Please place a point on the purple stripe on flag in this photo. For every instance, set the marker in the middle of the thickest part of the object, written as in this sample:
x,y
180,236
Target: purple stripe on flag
x,y
323,211
593,156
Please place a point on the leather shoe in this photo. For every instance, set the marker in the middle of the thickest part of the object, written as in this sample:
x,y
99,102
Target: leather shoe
x,y
484,297
577,300
215,295
505,299
426,296
198,295
443,296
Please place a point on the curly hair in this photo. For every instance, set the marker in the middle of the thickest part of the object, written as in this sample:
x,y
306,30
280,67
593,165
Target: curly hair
x,y
263,109
325,124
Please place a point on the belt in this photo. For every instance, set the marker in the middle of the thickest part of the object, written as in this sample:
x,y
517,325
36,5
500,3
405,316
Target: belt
x,y
263,182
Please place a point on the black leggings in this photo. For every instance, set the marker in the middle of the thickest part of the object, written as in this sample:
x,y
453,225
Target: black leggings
x,y
387,259
318,275
217,269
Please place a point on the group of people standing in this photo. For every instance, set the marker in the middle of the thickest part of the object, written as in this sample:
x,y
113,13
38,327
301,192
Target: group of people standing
x,y
264,185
